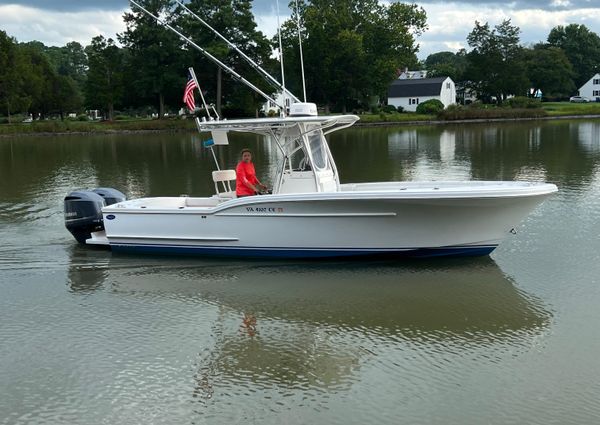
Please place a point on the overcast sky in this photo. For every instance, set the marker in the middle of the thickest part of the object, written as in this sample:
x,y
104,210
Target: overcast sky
x,y
56,22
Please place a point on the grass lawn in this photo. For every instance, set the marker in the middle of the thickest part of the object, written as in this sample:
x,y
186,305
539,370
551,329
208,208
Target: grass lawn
x,y
67,126
567,108
394,117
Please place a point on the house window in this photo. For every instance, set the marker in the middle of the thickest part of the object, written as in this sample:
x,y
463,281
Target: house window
x,y
596,93
448,86
413,101
596,81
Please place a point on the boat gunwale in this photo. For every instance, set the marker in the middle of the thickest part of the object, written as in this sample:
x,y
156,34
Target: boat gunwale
x,y
430,194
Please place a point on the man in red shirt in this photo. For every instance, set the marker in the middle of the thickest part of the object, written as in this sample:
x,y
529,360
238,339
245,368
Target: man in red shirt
x,y
246,183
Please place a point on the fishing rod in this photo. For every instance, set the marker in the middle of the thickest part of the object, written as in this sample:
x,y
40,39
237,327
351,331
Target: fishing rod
x,y
268,77
234,74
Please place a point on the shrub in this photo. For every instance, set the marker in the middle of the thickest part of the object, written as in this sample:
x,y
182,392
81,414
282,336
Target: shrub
x,y
120,117
524,102
389,109
375,109
458,112
430,107
400,109
82,117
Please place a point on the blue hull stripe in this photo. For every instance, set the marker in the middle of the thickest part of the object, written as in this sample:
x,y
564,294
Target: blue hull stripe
x,y
256,252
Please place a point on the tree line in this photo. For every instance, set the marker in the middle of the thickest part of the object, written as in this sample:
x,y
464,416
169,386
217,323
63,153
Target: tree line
x,y
352,50
498,65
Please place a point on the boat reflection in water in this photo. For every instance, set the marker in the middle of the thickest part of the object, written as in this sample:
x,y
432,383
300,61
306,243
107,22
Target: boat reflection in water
x,y
313,325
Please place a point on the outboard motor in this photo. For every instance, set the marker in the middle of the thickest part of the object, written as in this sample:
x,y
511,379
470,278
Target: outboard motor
x,y
83,211
110,195
83,214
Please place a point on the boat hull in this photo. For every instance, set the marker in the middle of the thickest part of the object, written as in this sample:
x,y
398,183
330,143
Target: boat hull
x,y
321,225
302,253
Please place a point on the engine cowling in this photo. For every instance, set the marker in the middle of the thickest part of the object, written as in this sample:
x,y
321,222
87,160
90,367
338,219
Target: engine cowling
x,y
110,195
83,210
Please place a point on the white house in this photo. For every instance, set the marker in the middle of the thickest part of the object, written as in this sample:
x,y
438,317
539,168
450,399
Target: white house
x,y
270,108
409,75
409,92
591,89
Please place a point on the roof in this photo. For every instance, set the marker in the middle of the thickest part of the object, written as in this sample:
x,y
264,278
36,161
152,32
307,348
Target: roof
x,y
416,87
594,77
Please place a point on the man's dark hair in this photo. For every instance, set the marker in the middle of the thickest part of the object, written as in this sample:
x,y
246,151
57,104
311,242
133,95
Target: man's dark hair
x,y
244,151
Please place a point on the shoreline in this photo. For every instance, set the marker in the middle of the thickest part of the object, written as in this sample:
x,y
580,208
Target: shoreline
x,y
475,120
358,124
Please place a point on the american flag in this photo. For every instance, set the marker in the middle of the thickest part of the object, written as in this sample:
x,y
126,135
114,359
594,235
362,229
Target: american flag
x,y
188,95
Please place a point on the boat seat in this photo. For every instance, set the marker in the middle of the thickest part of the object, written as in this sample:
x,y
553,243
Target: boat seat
x,y
224,177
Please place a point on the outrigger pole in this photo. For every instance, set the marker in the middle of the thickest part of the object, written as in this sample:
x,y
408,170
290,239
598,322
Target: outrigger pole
x,y
300,47
208,55
268,77
283,111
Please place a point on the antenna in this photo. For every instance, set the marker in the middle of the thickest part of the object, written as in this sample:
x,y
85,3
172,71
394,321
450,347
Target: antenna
x,y
208,55
281,60
300,44
257,67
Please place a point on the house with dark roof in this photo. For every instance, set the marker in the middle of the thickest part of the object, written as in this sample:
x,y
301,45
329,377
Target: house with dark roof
x,y
409,92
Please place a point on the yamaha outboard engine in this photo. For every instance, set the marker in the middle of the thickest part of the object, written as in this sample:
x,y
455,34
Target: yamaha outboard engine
x,y
110,195
83,211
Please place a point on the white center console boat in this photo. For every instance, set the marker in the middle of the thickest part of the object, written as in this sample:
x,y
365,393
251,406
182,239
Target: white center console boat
x,y
310,214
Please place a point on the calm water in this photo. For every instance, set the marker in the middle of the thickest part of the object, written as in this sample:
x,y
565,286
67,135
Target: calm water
x,y
87,337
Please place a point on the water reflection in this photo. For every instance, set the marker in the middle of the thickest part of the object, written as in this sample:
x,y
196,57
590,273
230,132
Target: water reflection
x,y
312,325
428,154
588,135
88,268
465,297
563,152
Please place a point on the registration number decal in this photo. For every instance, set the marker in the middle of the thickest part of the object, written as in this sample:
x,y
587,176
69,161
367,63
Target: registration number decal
x,y
264,210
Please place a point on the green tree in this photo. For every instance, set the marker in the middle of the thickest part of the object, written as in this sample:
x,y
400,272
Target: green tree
x,y
11,99
235,21
582,48
154,67
38,76
104,86
69,60
447,64
549,70
353,48
67,95
496,66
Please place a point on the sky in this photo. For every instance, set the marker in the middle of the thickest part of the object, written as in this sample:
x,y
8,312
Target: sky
x,y
57,22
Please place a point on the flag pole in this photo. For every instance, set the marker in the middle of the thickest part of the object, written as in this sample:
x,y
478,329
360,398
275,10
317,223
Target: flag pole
x,y
209,143
193,74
